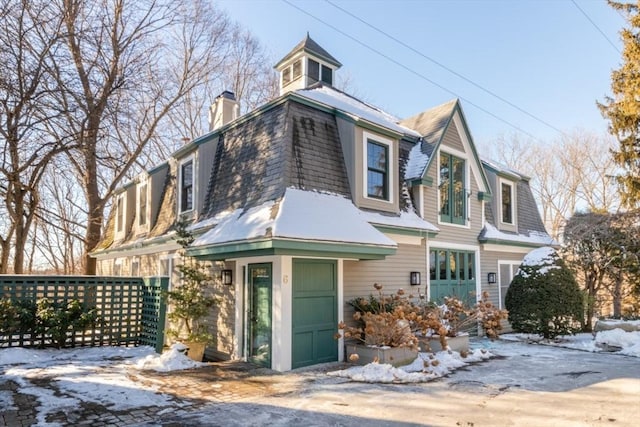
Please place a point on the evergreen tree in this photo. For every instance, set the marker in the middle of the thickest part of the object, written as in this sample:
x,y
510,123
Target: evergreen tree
x,y
622,109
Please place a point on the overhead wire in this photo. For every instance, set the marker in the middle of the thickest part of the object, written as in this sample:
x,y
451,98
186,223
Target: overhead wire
x,y
422,76
441,65
595,26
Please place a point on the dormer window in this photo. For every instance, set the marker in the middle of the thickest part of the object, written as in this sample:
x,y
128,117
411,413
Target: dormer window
x,y
186,187
453,194
120,213
506,200
377,170
142,204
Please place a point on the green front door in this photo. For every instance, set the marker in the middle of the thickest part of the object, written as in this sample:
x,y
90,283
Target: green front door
x,y
259,322
452,273
315,312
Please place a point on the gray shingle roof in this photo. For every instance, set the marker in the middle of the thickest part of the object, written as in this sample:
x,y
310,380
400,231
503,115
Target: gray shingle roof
x,y
431,124
310,46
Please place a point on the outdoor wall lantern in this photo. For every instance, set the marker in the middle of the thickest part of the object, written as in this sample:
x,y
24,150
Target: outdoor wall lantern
x,y
414,278
226,276
491,278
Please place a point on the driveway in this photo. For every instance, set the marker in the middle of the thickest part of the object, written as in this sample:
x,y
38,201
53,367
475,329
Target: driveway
x,y
524,385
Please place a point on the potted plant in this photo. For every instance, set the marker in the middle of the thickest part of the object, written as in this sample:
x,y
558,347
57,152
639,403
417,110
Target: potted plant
x,y
386,329
456,318
191,302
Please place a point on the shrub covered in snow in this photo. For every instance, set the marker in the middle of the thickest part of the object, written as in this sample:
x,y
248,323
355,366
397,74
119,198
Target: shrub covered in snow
x,y
544,297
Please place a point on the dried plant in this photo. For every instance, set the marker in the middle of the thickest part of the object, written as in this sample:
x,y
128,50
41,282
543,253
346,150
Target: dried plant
x,y
396,320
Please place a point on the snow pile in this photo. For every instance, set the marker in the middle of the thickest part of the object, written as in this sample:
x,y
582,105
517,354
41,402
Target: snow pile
x,y
544,257
627,342
426,367
172,360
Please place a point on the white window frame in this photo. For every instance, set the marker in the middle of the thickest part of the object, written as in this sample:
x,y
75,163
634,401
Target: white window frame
x,y
121,223
513,201
194,183
135,261
391,167
467,185
514,269
117,265
145,184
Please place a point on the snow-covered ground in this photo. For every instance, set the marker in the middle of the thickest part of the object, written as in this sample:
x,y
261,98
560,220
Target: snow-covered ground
x,y
63,380
89,374
430,366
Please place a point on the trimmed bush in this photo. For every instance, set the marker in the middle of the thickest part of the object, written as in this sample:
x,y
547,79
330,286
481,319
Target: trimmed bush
x,y
544,297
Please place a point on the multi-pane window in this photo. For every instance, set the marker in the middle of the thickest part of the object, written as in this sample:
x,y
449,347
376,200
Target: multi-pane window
x,y
120,214
452,189
142,204
186,186
297,69
507,203
286,76
313,70
327,75
377,170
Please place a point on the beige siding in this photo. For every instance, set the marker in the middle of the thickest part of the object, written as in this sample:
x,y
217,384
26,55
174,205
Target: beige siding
x,y
222,316
392,273
452,138
489,264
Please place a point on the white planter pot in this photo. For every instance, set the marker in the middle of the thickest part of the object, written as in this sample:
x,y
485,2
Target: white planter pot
x,y
396,356
432,344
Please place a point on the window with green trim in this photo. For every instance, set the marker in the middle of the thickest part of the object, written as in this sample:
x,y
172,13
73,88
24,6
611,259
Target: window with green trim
x,y
453,194
377,170
507,203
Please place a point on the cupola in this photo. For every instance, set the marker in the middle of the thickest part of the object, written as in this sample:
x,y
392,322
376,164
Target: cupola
x,y
306,64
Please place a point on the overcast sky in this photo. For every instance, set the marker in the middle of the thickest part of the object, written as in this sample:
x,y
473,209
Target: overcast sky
x,y
545,57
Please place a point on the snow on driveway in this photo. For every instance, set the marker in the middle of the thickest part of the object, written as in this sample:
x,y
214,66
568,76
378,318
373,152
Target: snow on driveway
x,y
524,384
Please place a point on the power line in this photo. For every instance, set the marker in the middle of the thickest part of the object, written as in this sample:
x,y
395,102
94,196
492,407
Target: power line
x,y
439,64
595,26
422,76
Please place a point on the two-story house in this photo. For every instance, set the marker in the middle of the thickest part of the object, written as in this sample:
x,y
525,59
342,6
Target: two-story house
x,y
312,198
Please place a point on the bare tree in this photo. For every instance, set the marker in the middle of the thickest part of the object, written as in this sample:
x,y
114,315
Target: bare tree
x,y
574,173
25,94
125,65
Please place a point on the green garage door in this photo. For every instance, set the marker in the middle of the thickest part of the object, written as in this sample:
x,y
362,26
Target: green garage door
x,y
315,306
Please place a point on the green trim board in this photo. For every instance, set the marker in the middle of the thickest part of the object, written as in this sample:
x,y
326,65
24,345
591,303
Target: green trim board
x,y
427,181
290,247
483,196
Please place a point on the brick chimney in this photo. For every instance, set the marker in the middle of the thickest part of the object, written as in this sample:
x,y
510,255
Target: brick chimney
x,y
224,109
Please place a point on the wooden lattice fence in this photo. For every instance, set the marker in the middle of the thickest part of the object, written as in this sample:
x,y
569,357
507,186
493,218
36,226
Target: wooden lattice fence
x,y
130,310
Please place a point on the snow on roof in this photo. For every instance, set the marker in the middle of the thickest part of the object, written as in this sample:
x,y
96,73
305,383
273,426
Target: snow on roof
x,y
304,215
356,108
504,169
405,220
536,237
417,162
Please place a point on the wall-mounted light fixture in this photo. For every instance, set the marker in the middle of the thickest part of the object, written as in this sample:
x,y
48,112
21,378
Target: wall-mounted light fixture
x,y
491,278
226,277
414,278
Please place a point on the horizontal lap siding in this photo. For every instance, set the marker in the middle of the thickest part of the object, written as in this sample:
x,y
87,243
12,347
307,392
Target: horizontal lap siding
x,y
489,264
392,273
